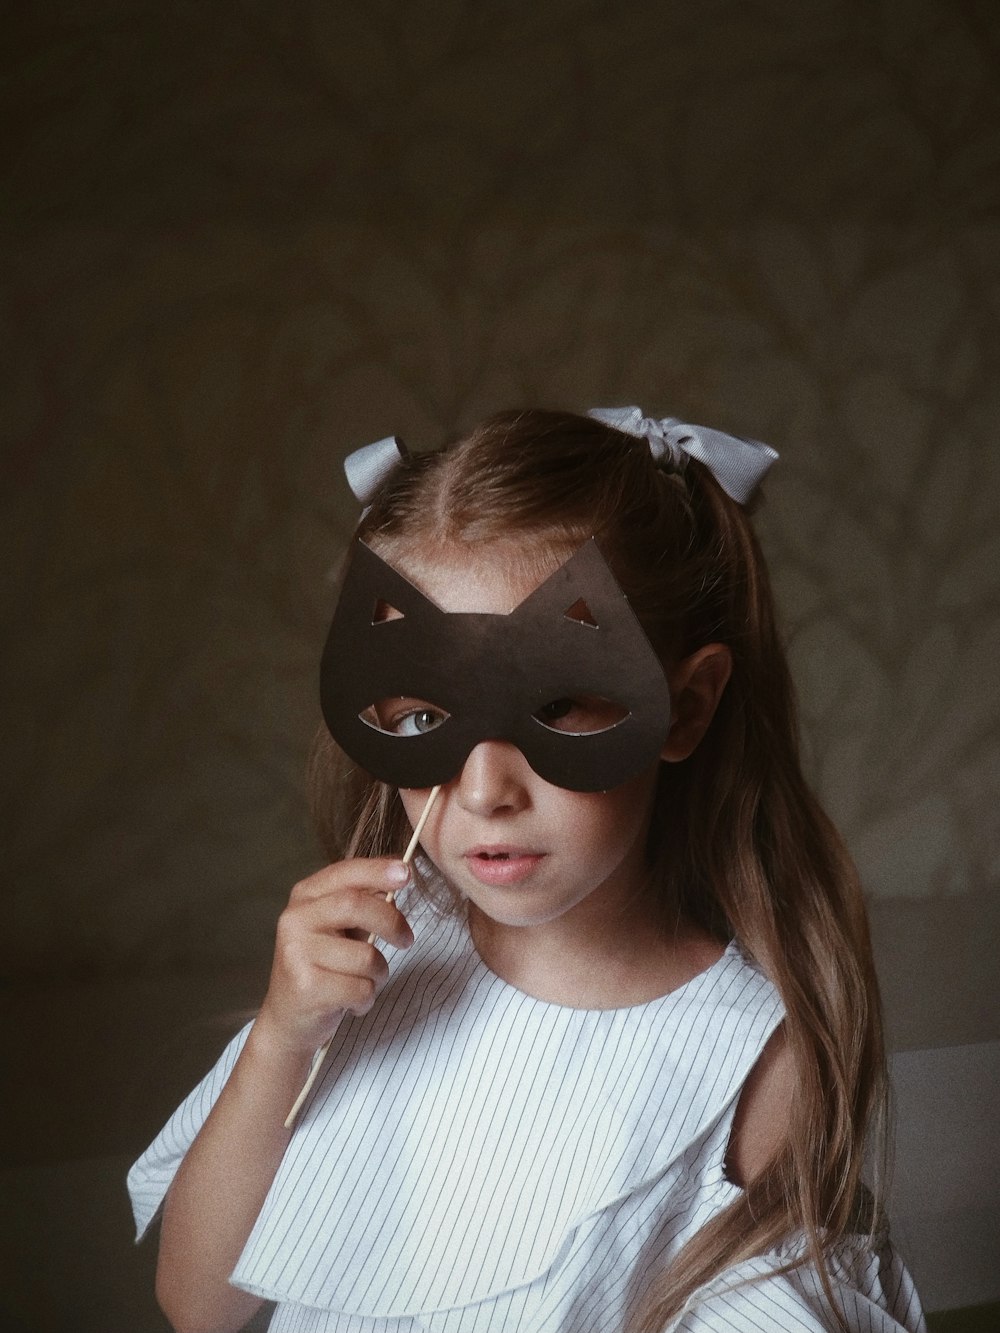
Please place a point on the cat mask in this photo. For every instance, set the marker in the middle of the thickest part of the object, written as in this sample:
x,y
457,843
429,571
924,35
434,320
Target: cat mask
x,y
568,676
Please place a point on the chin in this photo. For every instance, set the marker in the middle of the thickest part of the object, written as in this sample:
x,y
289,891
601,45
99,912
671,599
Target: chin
x,y
518,915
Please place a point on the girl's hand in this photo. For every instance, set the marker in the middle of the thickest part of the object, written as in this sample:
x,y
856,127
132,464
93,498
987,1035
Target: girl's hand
x,y
323,967
323,964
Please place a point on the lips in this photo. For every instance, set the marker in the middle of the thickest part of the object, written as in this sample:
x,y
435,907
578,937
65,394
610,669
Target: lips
x,y
501,864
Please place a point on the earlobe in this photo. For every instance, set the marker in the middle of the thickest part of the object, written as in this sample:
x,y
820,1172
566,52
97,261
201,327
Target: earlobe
x,y
696,686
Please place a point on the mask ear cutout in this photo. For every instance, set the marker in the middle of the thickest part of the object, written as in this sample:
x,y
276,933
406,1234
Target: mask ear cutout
x,y
383,610
581,613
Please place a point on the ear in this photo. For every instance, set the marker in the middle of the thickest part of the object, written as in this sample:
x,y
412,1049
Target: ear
x,y
696,686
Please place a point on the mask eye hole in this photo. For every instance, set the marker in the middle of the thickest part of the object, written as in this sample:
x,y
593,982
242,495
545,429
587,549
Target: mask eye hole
x,y
581,714
404,716
581,613
383,611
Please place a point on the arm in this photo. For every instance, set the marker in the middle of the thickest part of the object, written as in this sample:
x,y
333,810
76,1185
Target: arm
x,y
323,968
760,1126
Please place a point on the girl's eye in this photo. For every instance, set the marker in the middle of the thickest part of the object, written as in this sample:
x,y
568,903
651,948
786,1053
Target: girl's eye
x,y
404,717
581,715
418,722
553,712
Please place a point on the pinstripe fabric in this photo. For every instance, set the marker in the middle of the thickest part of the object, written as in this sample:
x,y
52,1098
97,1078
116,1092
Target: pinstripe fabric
x,y
476,1159
874,1291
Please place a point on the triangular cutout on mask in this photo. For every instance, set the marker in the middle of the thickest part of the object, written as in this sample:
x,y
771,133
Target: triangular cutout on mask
x,y
383,610
581,612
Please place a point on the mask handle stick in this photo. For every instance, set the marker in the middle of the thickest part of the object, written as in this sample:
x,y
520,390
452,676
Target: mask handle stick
x,y
320,1055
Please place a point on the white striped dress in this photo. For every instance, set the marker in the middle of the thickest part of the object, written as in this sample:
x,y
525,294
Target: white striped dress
x,y
473,1159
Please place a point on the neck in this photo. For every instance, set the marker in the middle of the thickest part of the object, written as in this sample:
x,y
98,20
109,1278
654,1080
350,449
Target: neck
x,y
609,952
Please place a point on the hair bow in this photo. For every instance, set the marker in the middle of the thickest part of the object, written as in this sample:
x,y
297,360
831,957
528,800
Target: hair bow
x,y
738,465
368,467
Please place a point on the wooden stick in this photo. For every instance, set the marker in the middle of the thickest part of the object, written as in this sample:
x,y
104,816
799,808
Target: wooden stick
x,y
320,1055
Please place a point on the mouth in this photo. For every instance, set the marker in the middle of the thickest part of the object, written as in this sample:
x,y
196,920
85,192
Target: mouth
x,y
501,864
500,851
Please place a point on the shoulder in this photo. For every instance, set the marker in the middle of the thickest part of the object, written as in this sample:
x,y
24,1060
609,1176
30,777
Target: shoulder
x,y
763,1112
873,1293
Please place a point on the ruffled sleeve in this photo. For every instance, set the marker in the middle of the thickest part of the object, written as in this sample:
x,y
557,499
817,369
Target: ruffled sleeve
x,y
874,1291
151,1176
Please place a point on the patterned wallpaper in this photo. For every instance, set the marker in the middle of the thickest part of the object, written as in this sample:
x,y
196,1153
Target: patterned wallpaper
x,y
243,238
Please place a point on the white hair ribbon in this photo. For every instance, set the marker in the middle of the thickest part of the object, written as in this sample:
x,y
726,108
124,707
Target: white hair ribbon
x,y
368,467
738,465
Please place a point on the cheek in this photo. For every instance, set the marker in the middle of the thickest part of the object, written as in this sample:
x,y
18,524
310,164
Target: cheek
x,y
586,817
413,802
610,821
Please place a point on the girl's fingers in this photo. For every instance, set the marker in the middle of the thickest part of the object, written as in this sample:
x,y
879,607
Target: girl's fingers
x,y
323,960
352,912
376,876
316,977
348,957
344,974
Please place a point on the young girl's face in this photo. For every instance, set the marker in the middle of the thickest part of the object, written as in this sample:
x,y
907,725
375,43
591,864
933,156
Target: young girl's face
x,y
521,850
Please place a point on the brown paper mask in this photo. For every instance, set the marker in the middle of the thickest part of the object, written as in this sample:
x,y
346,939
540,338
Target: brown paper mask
x,y
568,676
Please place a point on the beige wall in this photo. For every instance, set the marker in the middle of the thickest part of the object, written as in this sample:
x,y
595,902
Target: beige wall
x,y
243,239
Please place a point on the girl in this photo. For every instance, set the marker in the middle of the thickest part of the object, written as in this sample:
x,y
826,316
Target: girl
x,y
616,1061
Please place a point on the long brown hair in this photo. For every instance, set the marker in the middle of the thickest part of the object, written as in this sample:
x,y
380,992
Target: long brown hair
x,y
738,842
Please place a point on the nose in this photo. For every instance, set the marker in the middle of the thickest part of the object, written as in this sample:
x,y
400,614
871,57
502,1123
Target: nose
x,y
493,779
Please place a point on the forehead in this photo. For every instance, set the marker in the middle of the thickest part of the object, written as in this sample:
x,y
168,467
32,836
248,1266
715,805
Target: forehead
x,y
491,577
